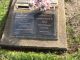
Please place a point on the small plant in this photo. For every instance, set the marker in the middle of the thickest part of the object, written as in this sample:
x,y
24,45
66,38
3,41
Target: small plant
x,y
67,0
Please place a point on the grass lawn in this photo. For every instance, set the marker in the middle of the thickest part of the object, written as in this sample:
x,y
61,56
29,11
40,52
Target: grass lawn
x,y
3,9
15,55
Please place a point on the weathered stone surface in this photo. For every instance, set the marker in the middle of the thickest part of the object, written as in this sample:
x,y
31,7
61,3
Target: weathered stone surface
x,y
38,26
61,41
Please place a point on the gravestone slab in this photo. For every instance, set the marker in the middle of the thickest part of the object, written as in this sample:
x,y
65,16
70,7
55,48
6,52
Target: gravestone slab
x,y
41,30
36,26
23,25
45,26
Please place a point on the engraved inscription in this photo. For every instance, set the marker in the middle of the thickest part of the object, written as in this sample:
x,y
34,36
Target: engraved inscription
x,y
45,26
38,26
23,25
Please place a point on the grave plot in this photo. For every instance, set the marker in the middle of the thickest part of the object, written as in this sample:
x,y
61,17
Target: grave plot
x,y
42,27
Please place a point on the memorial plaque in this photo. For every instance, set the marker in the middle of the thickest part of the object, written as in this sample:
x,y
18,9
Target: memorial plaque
x,y
36,24
31,25
45,26
23,25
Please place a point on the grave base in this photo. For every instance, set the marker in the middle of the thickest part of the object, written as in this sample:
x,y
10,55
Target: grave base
x,y
60,43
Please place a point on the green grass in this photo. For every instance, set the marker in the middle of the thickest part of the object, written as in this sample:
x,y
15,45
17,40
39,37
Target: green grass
x,y
3,9
13,55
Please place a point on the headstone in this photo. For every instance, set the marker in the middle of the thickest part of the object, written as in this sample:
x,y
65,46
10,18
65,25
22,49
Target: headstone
x,y
35,27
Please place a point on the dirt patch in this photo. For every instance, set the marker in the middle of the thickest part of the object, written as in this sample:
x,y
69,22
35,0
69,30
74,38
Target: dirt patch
x,y
72,8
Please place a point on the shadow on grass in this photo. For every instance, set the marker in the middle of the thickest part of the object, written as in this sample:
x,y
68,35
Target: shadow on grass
x,y
3,21
34,49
